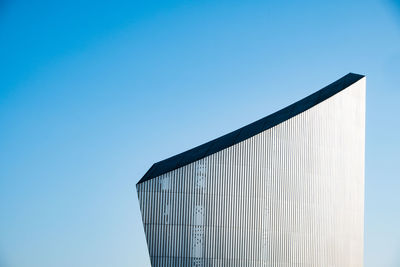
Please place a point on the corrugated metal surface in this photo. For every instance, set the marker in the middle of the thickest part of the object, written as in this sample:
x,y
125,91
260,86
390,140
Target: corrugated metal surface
x,y
292,195
250,130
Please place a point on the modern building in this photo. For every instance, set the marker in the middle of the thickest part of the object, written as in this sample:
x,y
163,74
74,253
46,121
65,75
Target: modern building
x,y
286,190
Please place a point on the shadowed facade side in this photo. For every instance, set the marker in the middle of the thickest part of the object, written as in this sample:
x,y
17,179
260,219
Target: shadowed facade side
x,y
285,190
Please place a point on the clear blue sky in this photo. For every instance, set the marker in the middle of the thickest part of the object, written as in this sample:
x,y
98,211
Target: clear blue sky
x,y
93,93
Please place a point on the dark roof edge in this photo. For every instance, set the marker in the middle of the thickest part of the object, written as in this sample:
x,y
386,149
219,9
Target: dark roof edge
x,y
250,130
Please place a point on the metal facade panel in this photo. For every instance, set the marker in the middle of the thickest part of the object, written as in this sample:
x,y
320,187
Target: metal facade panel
x,y
250,130
292,195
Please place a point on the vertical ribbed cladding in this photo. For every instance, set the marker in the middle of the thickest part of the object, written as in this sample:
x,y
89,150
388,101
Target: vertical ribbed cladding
x,y
292,195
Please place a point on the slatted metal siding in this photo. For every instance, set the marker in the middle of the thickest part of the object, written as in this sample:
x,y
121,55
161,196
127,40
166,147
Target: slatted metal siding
x,y
292,195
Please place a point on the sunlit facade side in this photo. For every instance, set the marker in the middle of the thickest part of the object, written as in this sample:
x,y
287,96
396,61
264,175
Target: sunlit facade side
x,y
291,195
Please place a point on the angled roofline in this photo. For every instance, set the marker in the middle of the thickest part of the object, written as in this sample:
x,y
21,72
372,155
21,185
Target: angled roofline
x,y
250,130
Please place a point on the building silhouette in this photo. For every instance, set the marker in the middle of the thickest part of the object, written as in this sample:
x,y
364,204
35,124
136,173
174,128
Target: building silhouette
x,y
286,190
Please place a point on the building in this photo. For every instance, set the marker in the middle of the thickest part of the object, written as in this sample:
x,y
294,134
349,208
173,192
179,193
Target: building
x,y
286,190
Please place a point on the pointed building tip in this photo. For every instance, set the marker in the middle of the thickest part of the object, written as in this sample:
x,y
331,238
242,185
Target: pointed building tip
x,y
356,75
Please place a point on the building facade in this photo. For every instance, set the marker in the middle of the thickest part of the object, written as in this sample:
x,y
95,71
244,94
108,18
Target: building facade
x,y
286,190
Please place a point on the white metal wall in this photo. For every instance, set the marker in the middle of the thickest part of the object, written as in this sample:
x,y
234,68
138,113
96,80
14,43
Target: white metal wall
x,y
292,195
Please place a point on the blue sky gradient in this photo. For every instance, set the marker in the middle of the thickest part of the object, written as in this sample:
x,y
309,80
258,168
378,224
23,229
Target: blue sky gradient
x,y
92,93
